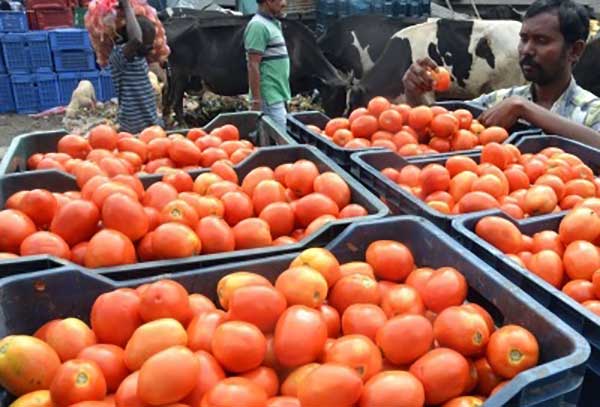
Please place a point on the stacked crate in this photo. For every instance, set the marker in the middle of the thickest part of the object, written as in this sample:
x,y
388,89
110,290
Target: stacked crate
x,y
10,22
47,14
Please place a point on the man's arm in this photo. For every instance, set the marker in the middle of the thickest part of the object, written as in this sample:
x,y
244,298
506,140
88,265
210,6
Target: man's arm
x,y
507,112
254,79
134,32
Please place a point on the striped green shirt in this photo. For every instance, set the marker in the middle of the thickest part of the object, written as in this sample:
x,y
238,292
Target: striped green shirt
x,y
576,103
263,36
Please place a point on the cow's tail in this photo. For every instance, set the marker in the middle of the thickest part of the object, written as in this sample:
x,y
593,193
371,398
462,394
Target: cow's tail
x,y
167,92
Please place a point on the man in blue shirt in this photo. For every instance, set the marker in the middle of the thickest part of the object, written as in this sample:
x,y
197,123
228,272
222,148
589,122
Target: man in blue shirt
x,y
129,68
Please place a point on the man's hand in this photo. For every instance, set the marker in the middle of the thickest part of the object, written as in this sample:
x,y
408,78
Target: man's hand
x,y
256,105
418,79
504,114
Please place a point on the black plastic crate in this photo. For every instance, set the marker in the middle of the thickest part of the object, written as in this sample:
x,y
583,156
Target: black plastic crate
x,y
30,300
269,156
297,126
367,166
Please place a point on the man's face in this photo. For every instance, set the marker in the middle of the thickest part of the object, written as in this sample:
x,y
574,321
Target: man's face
x,y
276,7
543,52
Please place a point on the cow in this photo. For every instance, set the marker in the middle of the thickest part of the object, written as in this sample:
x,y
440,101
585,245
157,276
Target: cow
x,y
586,70
354,43
480,54
207,53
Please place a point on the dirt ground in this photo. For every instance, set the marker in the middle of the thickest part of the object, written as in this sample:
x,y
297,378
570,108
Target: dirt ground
x,y
12,125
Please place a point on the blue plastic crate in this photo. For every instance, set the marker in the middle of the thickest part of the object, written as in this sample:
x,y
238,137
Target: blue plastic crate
x,y
566,308
94,78
40,57
16,56
74,60
367,166
297,126
13,21
107,89
7,102
2,66
25,93
70,39
67,82
69,291
47,87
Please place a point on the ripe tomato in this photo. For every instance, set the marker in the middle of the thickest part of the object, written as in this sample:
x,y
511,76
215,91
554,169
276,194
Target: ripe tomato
x,y
330,384
362,319
78,380
231,282
210,374
156,388
266,378
405,338
388,388
38,398
289,387
201,329
239,346
390,260
293,349
445,287
462,329
165,299
235,392
15,226
259,305
111,360
127,393
511,350
302,286
332,319
357,352
119,308
70,336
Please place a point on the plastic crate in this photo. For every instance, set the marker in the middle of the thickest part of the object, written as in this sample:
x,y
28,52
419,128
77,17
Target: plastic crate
x,y
74,60
16,57
579,318
7,102
67,82
367,166
259,130
297,126
13,21
25,93
69,39
269,156
48,18
107,89
47,87
2,66
40,57
31,300
35,4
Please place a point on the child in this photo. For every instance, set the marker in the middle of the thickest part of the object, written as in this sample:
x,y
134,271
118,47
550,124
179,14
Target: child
x,y
137,104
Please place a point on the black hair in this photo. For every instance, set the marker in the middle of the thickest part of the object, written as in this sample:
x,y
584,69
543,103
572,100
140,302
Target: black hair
x,y
147,27
573,18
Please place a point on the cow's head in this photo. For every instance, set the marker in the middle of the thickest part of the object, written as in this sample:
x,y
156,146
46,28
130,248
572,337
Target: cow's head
x,y
356,96
333,93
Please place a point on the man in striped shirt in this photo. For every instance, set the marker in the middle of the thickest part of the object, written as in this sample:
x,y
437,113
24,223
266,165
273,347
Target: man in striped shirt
x,y
268,61
129,68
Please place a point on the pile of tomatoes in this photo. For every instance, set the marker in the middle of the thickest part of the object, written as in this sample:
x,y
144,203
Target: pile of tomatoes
x,y
106,152
377,332
114,221
409,131
569,258
520,184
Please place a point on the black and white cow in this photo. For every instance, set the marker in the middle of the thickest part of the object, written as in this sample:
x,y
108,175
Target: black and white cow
x,y
207,52
586,70
354,43
480,54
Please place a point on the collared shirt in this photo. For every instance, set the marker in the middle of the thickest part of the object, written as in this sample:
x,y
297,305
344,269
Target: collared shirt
x,y
576,103
263,36
137,104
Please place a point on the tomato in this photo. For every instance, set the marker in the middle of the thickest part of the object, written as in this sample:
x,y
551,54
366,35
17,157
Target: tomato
x,y
445,287
511,350
353,289
78,380
109,248
487,379
239,346
38,398
289,387
402,299
111,360
76,221
332,319
155,387
165,299
357,352
465,401
26,364
210,374
293,349
259,305
266,378
302,286
235,392
444,374
462,329
201,329
119,308
390,260
15,226
321,260
283,401
405,338
330,384
40,205
393,388
69,336
127,394
152,338
228,284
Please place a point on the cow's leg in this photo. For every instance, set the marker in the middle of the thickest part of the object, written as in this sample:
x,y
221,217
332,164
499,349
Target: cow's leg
x,y
167,96
179,85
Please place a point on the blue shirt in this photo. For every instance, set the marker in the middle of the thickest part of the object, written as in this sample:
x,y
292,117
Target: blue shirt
x,y
137,104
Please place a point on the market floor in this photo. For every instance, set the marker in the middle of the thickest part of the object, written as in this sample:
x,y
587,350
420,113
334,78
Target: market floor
x,y
12,125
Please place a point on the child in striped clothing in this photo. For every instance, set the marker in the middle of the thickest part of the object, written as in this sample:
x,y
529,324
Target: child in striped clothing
x,y
129,67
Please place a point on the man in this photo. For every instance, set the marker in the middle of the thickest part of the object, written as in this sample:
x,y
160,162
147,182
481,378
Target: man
x,y
129,69
268,61
553,37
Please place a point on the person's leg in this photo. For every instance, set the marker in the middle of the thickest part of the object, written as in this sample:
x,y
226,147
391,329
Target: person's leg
x,y
277,113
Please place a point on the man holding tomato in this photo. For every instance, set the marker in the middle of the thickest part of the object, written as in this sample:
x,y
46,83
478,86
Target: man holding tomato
x,y
553,37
